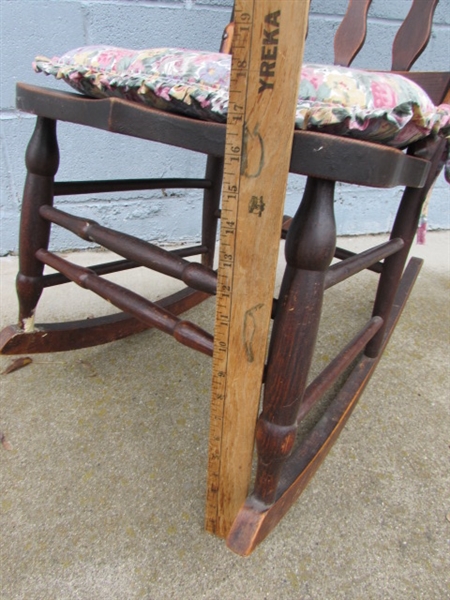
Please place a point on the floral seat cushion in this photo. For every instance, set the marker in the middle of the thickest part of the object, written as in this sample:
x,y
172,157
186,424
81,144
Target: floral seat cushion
x,y
380,107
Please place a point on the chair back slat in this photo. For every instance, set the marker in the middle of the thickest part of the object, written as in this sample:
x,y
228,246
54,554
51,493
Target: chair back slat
x,y
413,35
351,33
410,41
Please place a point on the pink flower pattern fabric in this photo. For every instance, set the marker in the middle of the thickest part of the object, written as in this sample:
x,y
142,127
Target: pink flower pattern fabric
x,y
183,81
373,106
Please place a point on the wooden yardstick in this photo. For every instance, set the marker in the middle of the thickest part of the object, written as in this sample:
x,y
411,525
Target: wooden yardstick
x,y
267,54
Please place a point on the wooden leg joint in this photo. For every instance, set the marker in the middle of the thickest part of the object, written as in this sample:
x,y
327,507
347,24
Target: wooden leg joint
x,y
274,441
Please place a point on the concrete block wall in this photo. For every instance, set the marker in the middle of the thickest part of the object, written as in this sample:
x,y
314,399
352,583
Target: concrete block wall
x,y
51,27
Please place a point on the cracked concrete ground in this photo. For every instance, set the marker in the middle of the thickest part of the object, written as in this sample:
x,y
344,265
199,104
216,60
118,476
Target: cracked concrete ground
x,y
103,465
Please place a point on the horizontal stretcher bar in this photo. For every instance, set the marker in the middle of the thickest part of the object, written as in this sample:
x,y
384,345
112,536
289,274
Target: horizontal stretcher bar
x,y
185,332
148,255
65,188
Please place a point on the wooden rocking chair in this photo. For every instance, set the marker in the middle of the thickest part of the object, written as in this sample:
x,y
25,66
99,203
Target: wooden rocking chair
x,y
284,469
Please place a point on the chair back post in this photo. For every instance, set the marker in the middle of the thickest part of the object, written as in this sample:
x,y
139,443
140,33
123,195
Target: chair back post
x,y
227,36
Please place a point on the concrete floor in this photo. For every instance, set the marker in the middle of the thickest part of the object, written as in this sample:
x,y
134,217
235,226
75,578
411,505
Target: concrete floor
x,y
103,467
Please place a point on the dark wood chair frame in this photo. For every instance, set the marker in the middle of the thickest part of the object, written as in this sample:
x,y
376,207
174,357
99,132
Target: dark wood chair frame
x,y
283,469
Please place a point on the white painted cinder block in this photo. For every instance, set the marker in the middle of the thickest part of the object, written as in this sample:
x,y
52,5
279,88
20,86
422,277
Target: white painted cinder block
x,y
32,27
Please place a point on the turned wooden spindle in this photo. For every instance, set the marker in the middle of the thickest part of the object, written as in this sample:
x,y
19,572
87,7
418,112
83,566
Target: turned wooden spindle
x,y
141,252
185,332
42,161
309,250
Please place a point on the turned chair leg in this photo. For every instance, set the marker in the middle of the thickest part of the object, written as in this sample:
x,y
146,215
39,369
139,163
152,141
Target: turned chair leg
x,y
42,161
309,250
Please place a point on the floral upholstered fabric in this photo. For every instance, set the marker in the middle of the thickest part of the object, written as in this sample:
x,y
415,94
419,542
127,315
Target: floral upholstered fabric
x,y
379,107
375,106
184,81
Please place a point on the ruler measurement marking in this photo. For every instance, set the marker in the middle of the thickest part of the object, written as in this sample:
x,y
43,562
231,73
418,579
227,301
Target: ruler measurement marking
x,y
231,185
261,104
